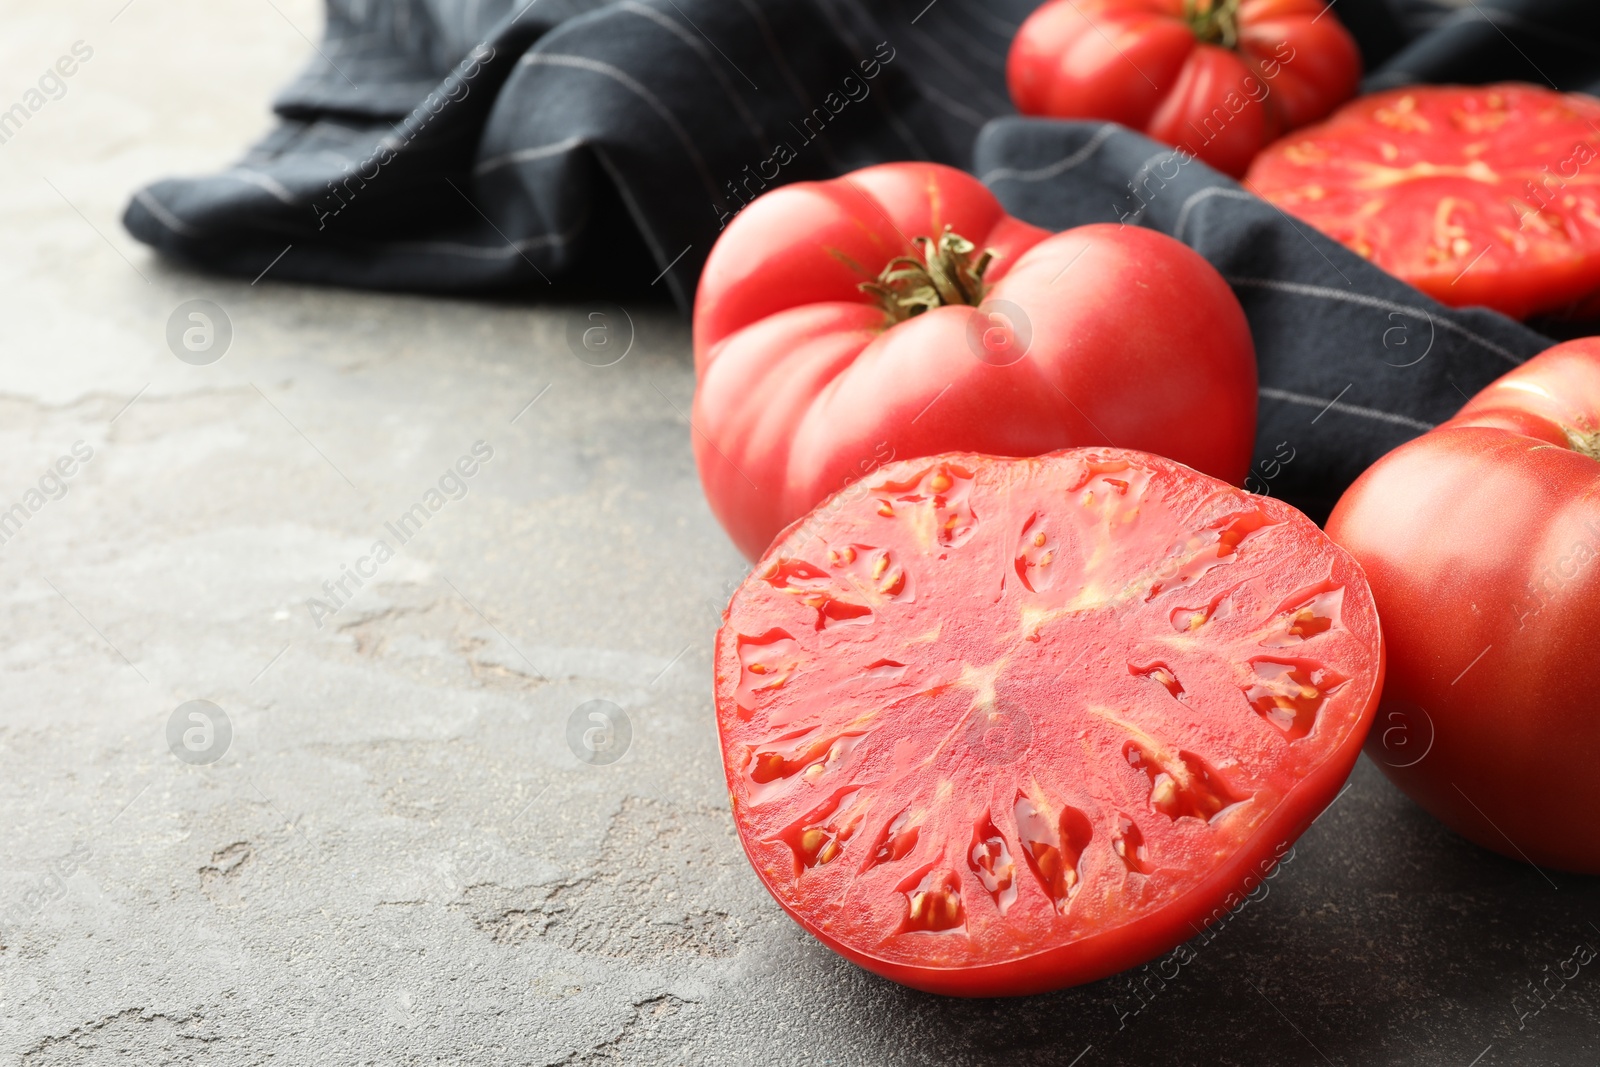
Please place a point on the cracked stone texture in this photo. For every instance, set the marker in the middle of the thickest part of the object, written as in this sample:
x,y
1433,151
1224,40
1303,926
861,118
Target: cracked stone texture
x,y
398,860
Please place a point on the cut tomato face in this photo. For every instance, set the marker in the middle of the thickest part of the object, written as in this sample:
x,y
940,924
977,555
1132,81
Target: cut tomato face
x,y
1477,196
996,726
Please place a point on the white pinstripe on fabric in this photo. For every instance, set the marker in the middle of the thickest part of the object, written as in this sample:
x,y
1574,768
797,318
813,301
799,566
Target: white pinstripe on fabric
x,y
627,81
1349,409
1060,166
1325,293
528,155
712,63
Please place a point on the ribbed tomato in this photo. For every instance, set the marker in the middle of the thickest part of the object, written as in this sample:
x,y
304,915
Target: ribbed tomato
x,y
1485,195
1482,543
1219,79
899,311
995,726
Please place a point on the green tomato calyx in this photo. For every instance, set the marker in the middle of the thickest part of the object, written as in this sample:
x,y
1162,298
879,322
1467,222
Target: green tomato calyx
x,y
950,272
1584,442
1213,21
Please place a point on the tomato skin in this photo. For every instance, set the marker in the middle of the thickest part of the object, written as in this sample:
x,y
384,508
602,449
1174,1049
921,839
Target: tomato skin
x,y
803,385
1481,541
906,754
1138,63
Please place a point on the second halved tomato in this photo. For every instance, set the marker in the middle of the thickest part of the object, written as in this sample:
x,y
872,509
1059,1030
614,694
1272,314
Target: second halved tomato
x,y
1474,194
899,311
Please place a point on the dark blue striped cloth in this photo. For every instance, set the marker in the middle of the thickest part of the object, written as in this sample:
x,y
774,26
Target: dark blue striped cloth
x,y
561,147
479,145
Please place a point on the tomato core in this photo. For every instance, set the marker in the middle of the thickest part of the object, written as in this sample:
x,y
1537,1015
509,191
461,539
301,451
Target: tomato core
x,y
950,272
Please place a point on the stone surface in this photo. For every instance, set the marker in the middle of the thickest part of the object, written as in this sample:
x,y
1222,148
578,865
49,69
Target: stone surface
x,y
399,859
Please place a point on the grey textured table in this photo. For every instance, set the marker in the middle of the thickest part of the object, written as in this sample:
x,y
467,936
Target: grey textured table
x,y
398,859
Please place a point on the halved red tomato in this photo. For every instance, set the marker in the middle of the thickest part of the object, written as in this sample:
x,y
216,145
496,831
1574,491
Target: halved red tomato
x,y
995,726
1486,195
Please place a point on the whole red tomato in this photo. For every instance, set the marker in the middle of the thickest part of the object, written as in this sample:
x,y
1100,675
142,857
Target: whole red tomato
x,y
996,726
1481,541
1474,194
1218,78
898,311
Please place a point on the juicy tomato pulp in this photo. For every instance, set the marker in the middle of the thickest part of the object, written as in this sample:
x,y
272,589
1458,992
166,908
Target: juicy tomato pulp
x,y
1483,195
996,726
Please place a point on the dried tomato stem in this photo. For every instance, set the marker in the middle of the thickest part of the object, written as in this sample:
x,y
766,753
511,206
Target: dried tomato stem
x,y
949,272
1584,442
1214,21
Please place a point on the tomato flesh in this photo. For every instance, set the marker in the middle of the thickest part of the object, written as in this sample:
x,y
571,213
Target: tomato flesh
x,y
995,726
1477,196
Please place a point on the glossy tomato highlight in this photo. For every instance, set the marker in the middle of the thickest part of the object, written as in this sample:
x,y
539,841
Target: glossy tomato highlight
x,y
1482,543
1219,79
899,311
1481,195
996,726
